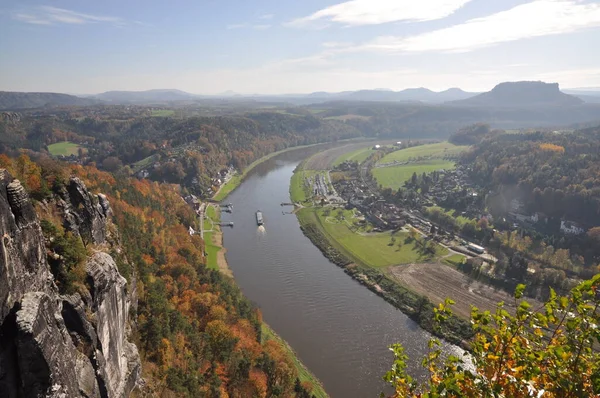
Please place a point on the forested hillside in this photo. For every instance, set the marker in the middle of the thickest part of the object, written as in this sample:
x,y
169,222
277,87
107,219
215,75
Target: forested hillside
x,y
189,151
197,334
557,174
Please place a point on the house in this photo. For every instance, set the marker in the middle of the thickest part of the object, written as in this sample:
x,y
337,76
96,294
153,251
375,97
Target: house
x,y
571,228
516,205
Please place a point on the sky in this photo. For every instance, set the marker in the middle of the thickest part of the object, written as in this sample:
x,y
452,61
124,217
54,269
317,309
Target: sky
x,y
295,46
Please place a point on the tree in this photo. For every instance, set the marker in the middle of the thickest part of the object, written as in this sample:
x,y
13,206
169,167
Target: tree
x,y
542,352
112,164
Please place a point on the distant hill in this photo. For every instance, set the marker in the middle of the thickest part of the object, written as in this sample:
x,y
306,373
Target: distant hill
x,y
149,96
409,95
10,100
591,95
522,94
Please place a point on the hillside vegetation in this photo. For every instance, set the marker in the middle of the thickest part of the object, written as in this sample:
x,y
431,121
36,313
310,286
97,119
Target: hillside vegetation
x,y
198,335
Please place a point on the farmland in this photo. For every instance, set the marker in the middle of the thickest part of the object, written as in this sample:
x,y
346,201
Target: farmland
x,y
395,176
360,155
325,160
438,282
439,150
65,148
394,169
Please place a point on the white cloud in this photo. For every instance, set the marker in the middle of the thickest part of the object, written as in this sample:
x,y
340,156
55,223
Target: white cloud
x,y
32,19
374,12
266,16
538,18
336,44
47,15
248,26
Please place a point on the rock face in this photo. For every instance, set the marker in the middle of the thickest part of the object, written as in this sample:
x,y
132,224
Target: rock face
x,y
111,305
23,264
85,214
53,345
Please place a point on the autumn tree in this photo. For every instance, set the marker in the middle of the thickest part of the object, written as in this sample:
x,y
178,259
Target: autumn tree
x,y
549,352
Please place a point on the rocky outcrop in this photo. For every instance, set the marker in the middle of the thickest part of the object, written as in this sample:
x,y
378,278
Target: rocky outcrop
x,y
111,305
52,345
23,265
46,355
85,214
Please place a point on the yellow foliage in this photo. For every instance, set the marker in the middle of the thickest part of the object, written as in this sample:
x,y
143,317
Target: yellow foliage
x,y
552,148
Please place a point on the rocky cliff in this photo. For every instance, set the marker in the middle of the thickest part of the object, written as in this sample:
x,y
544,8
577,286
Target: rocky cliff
x,y
53,345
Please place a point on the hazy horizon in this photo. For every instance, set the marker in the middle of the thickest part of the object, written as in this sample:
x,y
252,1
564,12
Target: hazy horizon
x,y
270,47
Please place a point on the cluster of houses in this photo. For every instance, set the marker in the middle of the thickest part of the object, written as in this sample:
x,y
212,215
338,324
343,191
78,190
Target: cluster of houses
x,y
518,216
381,214
454,187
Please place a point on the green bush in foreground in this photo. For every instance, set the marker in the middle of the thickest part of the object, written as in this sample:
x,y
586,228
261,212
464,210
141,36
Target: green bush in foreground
x,y
546,352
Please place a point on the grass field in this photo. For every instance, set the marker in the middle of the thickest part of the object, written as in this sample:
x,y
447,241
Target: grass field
x,y
460,220
359,156
137,166
454,260
212,249
65,148
162,112
303,373
395,176
373,250
432,151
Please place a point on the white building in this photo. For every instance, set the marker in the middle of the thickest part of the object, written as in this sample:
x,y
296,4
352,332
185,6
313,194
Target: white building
x,y
570,228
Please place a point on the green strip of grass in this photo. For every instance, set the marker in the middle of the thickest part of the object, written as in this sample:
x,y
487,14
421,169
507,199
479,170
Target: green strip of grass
x,y
377,249
65,148
211,248
454,260
303,373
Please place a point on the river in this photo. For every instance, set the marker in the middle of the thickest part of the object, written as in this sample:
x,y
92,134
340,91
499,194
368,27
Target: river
x,y
338,328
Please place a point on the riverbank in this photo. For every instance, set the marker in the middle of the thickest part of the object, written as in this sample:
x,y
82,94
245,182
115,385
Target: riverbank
x,y
305,375
237,179
343,250
217,259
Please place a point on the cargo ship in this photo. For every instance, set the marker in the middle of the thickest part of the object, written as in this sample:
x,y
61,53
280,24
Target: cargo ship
x,y
259,218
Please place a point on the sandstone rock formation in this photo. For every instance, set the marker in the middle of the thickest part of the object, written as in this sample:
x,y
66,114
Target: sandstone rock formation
x,y
53,345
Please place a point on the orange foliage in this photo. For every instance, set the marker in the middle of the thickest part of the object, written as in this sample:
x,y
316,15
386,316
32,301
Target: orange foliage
x,y
258,380
552,148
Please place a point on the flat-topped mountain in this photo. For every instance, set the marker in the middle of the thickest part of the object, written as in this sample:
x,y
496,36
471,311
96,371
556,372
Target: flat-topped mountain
x,y
522,94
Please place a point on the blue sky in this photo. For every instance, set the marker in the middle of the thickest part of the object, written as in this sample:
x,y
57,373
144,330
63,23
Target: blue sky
x,y
295,46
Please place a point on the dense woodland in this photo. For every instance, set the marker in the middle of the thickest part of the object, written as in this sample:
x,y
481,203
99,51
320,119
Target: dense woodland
x,y
553,173
549,174
197,334
187,151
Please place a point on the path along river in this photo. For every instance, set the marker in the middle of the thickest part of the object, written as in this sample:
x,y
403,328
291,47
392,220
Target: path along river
x,y
338,328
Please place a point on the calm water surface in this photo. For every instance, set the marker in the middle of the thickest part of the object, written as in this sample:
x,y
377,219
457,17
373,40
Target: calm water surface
x,y
338,328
